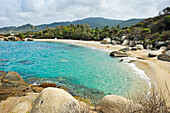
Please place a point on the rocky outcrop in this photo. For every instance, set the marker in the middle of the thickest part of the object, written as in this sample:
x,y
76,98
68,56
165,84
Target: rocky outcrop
x,y
139,47
54,100
165,56
118,54
118,104
18,104
12,79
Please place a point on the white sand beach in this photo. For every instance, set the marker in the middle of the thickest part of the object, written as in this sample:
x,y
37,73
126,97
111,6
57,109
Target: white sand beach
x,y
158,71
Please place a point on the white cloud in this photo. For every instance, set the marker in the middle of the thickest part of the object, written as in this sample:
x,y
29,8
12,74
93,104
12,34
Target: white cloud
x,y
18,12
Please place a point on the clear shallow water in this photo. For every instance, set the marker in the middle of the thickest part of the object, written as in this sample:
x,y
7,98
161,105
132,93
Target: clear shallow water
x,y
82,70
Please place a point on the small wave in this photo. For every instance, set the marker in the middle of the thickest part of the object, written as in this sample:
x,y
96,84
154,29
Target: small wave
x,y
137,71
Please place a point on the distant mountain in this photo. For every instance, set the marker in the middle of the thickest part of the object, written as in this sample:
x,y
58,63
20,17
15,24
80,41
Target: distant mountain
x,y
92,22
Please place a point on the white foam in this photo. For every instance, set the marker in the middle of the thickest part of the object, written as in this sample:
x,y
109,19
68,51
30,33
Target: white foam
x,y
136,70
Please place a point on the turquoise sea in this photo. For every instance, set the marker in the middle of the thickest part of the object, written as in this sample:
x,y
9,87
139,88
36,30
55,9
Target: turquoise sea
x,y
84,71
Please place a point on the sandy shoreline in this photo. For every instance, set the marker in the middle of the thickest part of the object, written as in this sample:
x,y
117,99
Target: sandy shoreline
x,y
158,71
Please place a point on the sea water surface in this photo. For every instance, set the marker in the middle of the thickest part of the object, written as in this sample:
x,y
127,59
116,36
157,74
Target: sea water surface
x,y
84,71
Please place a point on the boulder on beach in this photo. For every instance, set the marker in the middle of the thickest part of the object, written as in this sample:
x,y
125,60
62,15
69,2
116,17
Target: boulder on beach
x,y
153,54
54,100
125,43
165,56
118,54
12,79
163,48
117,104
134,49
139,47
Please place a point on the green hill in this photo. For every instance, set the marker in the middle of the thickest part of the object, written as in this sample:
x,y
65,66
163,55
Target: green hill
x,y
93,22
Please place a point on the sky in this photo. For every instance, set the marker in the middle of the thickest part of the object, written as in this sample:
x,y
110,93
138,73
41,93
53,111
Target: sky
x,y
36,12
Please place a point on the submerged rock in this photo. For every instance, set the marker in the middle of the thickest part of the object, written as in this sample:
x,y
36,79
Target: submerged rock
x,y
165,56
54,100
118,54
25,62
117,104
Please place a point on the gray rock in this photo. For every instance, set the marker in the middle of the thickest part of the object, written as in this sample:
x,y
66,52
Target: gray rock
x,y
12,79
139,47
54,100
132,43
118,104
118,54
125,43
165,56
149,46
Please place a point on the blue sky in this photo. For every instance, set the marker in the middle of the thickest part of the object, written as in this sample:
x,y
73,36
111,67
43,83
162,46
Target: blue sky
x,y
19,12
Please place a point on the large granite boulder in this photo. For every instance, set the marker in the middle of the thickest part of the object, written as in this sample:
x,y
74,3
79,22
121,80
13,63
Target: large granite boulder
x,y
165,56
2,74
118,104
139,47
118,54
18,104
54,100
12,79
125,43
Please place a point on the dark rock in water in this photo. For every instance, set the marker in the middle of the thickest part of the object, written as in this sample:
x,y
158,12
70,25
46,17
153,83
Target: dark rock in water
x,y
118,54
25,62
2,74
125,49
121,60
12,79
134,49
4,60
165,56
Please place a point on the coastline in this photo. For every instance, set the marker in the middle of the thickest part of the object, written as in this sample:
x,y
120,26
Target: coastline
x,y
157,71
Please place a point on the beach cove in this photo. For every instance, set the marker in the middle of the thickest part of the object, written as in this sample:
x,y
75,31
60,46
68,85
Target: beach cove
x,y
83,70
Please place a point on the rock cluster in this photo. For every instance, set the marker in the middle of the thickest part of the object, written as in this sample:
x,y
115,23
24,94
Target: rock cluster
x,y
21,97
